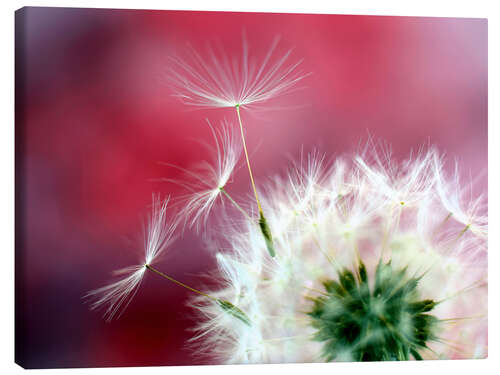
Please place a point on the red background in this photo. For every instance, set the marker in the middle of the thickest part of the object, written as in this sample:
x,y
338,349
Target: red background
x,y
94,116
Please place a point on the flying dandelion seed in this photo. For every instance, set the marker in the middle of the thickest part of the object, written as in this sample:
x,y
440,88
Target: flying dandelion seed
x,y
207,181
158,235
220,81
357,275
216,80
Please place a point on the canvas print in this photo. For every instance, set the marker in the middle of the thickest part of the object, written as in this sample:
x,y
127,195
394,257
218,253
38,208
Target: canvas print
x,y
230,188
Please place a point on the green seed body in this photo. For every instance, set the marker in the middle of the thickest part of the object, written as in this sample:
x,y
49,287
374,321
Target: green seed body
x,y
387,323
234,311
266,232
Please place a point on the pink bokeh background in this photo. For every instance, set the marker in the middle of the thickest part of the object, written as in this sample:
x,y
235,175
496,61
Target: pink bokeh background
x,y
95,117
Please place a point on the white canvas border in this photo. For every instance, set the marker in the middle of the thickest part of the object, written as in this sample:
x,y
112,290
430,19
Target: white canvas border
x,y
477,8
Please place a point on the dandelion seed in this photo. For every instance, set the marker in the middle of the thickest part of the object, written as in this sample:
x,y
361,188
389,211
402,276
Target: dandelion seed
x,y
458,202
158,235
219,80
404,185
207,181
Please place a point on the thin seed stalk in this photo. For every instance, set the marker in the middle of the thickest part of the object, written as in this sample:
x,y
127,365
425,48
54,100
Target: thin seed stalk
x,y
234,203
225,305
248,159
179,283
264,227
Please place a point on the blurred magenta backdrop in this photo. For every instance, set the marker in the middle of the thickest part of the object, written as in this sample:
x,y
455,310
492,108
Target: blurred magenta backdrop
x,y
97,117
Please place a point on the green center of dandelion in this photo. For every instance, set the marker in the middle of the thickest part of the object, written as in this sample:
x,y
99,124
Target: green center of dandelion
x,y
383,322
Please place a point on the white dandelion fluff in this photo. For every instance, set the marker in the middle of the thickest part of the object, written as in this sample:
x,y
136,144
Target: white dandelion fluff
x,y
403,184
215,79
118,294
459,202
370,280
207,181
158,234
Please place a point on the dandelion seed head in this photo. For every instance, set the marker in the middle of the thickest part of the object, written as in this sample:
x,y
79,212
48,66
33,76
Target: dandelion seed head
x,y
327,216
